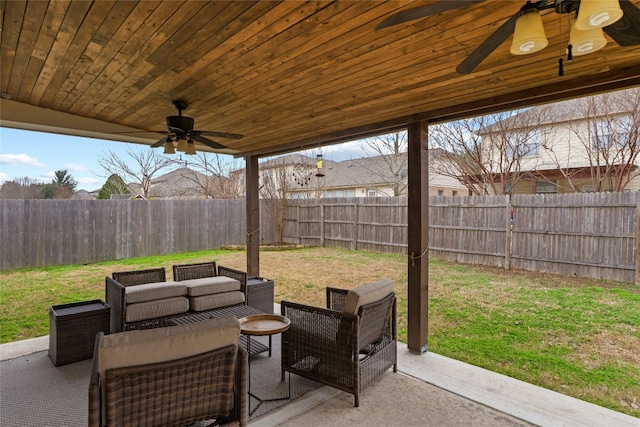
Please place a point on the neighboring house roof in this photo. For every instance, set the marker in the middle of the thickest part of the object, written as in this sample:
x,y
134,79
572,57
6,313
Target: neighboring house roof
x,y
180,183
367,172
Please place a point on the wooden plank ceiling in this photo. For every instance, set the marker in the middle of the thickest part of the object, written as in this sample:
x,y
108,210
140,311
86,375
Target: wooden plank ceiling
x,y
286,74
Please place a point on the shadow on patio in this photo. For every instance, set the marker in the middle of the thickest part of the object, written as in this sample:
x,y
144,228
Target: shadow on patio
x,y
428,390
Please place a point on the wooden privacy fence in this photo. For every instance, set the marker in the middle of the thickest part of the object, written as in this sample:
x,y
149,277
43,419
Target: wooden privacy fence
x,y
587,234
38,233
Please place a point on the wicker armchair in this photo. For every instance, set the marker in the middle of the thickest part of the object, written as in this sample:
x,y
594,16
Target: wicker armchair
x,y
338,348
207,381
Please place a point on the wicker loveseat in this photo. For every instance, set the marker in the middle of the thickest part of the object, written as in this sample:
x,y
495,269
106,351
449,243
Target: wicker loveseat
x,y
170,376
348,345
144,299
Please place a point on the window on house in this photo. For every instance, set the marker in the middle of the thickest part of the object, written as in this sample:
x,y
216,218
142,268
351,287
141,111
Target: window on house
x,y
371,192
523,144
611,132
549,187
265,176
440,192
454,193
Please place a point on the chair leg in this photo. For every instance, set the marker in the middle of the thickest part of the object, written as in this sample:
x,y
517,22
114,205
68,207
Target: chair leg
x,y
356,400
395,367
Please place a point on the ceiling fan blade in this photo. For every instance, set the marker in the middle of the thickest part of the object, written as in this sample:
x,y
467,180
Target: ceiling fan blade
x,y
626,31
160,142
423,11
220,134
207,141
488,46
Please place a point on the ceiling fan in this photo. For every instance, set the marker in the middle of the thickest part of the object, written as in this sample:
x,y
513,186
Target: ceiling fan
x,y
624,31
180,129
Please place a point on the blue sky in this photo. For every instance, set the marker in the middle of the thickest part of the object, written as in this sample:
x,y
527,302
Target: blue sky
x,y
38,155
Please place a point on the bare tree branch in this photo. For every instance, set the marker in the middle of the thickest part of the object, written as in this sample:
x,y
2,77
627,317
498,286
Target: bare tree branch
x,y
146,164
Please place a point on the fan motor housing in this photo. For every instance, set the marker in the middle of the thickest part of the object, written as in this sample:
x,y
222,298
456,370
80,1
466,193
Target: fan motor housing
x,y
180,122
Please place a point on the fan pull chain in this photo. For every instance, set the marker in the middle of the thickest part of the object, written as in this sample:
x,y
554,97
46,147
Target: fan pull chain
x,y
560,67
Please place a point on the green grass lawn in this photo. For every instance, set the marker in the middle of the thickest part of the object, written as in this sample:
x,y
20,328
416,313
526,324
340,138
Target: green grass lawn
x,y
577,336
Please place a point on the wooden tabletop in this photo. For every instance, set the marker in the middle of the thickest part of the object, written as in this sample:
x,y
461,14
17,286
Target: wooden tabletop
x,y
263,324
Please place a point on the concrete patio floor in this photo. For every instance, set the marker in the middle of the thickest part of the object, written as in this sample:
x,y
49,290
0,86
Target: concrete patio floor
x,y
429,390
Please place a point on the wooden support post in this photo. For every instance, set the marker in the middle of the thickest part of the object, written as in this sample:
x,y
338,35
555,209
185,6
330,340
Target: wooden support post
x,y
253,217
418,237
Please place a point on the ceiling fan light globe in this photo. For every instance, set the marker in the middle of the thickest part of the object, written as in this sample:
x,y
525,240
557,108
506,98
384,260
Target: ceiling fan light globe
x,y
597,14
182,145
191,148
168,148
584,42
528,36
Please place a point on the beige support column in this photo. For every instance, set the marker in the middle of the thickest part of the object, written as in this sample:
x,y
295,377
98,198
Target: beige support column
x,y
253,217
418,237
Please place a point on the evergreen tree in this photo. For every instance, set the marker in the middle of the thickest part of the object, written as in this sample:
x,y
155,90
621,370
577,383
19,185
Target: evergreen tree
x,y
114,185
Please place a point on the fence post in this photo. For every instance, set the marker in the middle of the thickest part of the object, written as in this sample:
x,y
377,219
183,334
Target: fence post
x,y
637,244
321,223
356,212
508,234
298,223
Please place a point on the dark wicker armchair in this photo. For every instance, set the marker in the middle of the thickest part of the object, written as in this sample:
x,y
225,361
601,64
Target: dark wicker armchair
x,y
203,386
340,349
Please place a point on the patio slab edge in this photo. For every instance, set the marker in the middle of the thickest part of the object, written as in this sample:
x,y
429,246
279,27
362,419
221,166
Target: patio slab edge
x,y
23,347
517,398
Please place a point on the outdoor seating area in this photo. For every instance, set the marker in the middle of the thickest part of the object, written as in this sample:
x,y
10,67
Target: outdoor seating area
x,y
187,345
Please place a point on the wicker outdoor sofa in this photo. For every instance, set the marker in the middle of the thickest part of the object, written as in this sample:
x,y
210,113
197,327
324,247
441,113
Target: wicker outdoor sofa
x,y
170,376
144,299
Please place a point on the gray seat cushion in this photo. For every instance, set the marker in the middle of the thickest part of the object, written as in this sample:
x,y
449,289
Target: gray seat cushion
x,y
211,285
154,291
156,308
207,302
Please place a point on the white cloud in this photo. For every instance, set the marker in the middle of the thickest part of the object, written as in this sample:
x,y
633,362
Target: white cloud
x,y
20,160
75,167
89,181
4,177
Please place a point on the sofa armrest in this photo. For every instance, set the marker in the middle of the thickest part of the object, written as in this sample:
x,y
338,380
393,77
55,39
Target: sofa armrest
x,y
94,386
115,296
239,275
